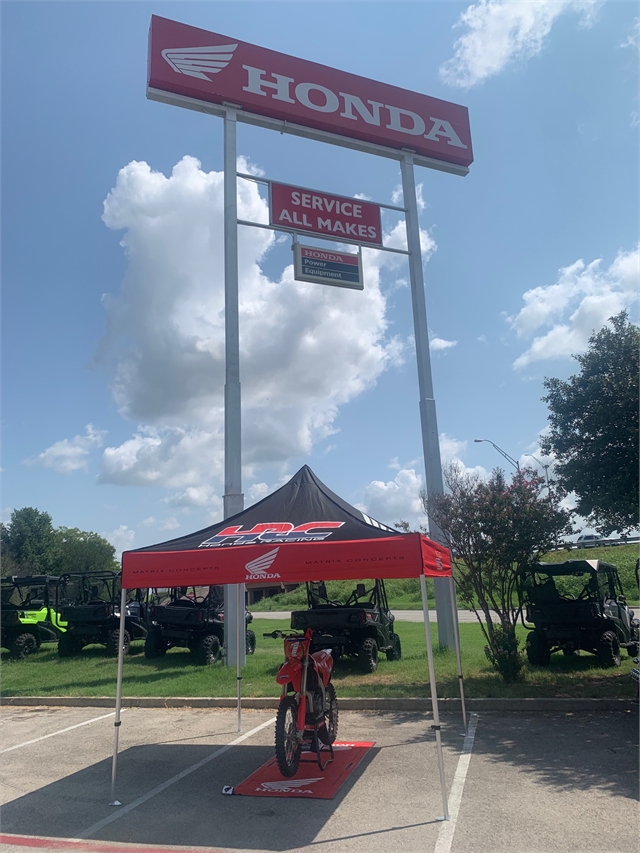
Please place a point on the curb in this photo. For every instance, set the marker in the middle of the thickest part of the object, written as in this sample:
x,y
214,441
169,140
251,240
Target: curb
x,y
348,704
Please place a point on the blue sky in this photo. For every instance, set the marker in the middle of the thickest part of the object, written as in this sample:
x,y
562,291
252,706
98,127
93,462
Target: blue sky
x,y
111,264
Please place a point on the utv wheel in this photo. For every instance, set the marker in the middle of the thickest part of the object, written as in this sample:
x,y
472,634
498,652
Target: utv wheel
x,y
395,652
288,747
113,640
23,646
632,650
154,645
608,649
208,650
251,642
67,645
538,651
368,654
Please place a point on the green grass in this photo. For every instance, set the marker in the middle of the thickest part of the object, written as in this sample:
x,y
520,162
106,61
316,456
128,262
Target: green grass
x,y
405,594
93,674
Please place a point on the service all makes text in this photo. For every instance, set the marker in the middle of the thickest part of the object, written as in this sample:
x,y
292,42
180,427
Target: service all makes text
x,y
297,216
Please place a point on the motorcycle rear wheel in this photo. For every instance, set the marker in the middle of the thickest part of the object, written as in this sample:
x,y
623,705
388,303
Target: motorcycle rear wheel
x,y
288,747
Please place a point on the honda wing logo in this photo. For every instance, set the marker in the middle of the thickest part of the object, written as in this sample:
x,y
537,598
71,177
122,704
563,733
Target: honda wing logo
x,y
258,568
289,785
199,61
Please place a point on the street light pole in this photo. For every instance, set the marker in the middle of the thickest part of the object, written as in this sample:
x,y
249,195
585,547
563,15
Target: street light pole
x,y
514,462
546,471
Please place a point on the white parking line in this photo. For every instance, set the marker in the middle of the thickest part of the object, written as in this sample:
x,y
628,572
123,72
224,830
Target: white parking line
x,y
164,785
62,731
448,828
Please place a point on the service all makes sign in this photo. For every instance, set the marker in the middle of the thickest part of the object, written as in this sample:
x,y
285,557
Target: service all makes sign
x,y
214,68
347,219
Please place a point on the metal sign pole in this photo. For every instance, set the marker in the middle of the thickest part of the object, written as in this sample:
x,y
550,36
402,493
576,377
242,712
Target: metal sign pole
x,y
233,501
429,424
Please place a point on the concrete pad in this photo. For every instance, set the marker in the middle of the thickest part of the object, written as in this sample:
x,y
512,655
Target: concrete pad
x,y
540,783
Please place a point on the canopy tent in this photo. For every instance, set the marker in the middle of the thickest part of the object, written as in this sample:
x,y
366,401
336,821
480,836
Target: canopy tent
x,y
301,532
326,539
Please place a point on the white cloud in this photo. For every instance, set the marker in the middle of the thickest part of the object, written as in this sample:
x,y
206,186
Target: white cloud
x,y
452,451
497,32
581,301
70,455
399,498
169,523
397,196
164,342
122,539
439,344
633,39
396,499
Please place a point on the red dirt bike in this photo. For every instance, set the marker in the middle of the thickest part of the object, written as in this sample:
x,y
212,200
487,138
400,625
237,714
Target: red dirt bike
x,y
308,710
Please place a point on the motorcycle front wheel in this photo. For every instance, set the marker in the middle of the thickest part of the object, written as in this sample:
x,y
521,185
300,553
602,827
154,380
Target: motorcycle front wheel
x,y
288,747
331,712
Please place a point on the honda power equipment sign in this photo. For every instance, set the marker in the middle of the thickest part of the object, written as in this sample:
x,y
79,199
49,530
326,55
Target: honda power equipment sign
x,y
327,267
348,219
194,68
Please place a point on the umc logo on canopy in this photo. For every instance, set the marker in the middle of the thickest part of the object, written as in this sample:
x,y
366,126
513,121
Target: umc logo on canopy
x,y
272,532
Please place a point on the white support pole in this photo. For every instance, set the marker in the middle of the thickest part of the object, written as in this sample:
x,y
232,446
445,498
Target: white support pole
x,y
239,644
116,724
456,628
434,695
428,420
233,497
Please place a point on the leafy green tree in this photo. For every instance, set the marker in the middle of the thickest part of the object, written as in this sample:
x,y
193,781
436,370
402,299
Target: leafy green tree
x,y
594,428
32,546
81,551
496,529
29,543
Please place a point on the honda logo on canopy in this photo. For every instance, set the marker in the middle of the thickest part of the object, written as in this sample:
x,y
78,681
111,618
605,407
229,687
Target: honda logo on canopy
x,y
213,68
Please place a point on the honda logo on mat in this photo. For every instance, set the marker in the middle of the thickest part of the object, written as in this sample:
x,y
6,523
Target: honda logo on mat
x,y
289,785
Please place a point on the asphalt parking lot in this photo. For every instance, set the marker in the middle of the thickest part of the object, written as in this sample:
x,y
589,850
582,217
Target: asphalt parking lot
x,y
529,783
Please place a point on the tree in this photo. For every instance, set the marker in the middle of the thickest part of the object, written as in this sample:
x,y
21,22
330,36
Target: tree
x,y
594,428
81,551
29,542
496,529
32,546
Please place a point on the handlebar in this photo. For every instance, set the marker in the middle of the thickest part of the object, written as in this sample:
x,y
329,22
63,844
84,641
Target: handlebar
x,y
283,635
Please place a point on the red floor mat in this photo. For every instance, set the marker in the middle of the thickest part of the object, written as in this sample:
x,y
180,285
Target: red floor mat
x,y
309,781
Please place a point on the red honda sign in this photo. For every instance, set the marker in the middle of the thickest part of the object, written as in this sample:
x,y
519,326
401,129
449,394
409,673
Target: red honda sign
x,y
214,68
320,213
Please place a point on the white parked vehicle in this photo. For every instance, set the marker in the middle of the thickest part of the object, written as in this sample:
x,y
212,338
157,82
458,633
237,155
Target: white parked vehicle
x,y
590,540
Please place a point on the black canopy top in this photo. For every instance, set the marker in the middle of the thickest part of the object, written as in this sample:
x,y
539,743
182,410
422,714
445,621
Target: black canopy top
x,y
302,502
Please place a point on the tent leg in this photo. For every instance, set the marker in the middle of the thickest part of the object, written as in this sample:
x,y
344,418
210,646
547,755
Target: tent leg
x,y
456,636
116,724
434,695
240,622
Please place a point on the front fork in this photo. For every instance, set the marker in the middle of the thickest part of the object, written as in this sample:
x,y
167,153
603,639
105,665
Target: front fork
x,y
302,701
